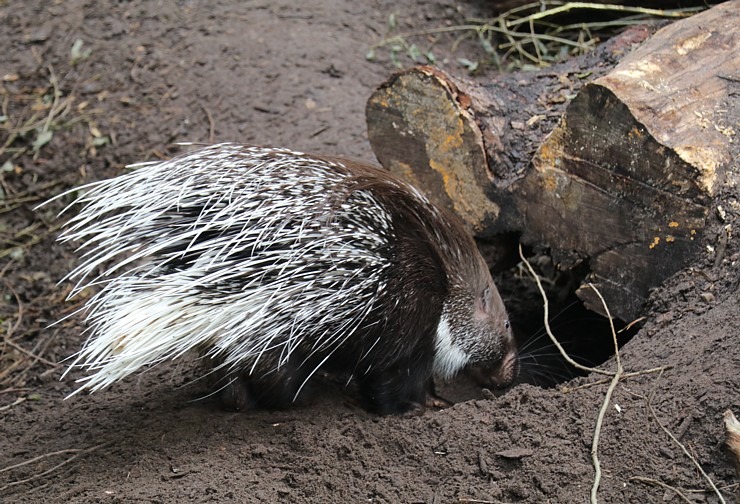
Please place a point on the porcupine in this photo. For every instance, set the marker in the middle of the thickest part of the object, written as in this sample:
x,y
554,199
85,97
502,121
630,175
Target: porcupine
x,y
275,264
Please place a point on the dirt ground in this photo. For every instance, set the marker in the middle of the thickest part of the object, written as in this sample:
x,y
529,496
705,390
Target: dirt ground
x,y
148,74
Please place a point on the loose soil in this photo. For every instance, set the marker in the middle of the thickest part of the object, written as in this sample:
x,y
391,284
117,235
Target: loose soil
x,y
149,74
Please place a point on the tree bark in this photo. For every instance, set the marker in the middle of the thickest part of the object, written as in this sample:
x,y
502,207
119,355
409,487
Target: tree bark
x,y
624,182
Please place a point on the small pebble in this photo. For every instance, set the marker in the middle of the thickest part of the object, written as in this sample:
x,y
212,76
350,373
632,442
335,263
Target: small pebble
x,y
707,297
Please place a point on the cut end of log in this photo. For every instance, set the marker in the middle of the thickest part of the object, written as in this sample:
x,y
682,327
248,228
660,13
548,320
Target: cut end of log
x,y
676,86
609,193
626,180
420,128
732,437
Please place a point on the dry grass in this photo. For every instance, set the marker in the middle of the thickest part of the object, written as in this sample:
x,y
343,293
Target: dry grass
x,y
533,35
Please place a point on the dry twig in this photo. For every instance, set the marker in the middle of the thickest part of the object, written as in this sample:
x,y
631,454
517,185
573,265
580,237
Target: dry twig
x,y
605,404
18,401
651,481
211,124
693,460
616,375
531,34
77,453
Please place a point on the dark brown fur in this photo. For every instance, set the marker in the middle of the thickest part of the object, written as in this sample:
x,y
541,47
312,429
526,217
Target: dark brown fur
x,y
396,374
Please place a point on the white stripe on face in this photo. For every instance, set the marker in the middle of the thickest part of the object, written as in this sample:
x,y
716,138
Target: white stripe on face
x,y
448,357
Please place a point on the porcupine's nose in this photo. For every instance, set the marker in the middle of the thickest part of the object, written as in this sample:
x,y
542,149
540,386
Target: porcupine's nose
x,y
500,373
505,374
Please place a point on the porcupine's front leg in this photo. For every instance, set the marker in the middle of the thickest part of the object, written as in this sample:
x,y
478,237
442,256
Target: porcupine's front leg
x,y
399,389
433,400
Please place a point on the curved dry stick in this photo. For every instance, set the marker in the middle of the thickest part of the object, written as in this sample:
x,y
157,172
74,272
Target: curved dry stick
x,y
686,451
546,306
605,404
615,375
77,453
651,481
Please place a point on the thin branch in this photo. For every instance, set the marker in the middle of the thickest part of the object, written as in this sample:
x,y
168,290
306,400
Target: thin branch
x,y
678,13
567,390
55,100
686,452
616,376
77,453
29,353
651,481
13,404
546,307
605,404
15,326
211,124
40,457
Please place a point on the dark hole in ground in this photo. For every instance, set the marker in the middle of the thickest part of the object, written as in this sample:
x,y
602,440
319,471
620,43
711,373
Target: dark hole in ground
x,y
585,335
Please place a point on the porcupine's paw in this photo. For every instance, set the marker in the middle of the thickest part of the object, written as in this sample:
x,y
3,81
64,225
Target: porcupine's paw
x,y
236,396
431,401
434,401
390,392
414,409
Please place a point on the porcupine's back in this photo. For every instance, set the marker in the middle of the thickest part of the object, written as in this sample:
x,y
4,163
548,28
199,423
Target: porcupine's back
x,y
251,253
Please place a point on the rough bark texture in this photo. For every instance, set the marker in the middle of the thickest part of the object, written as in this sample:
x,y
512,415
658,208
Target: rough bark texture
x,y
624,182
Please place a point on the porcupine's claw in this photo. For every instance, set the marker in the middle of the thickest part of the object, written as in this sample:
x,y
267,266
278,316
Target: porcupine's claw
x,y
434,401
431,401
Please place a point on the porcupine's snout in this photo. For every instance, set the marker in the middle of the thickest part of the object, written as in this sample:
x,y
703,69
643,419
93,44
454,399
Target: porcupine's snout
x,y
505,373
497,374
501,367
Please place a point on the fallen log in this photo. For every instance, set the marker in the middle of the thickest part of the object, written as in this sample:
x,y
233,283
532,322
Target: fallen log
x,y
623,183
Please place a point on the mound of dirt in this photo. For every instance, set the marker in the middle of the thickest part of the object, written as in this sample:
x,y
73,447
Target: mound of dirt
x,y
89,87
